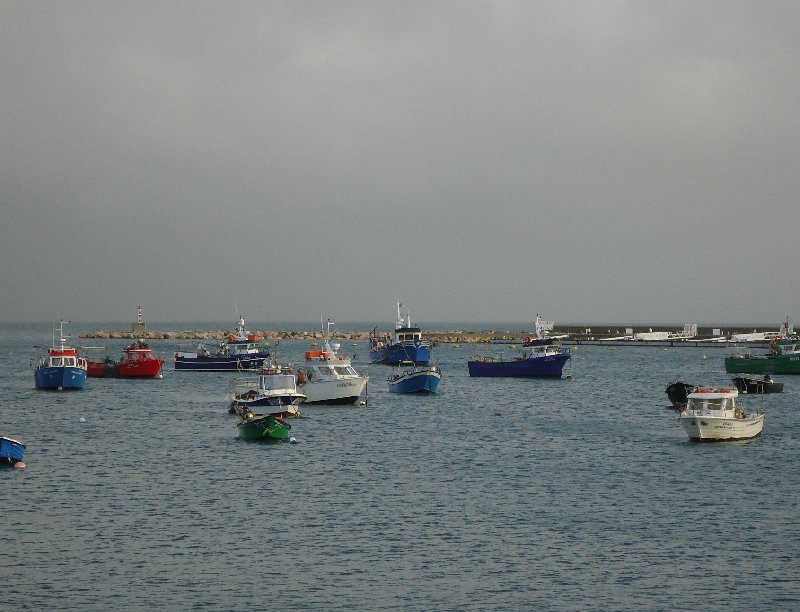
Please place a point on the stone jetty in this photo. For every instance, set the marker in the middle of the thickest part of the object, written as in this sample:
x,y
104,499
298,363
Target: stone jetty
x,y
574,333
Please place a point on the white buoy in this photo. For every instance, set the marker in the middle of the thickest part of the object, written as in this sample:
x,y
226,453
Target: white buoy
x,y
292,440
82,420
160,376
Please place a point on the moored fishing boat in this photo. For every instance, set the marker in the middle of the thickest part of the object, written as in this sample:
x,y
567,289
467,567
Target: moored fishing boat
x,y
783,357
410,378
713,414
61,368
241,352
405,344
137,361
275,385
745,384
678,392
254,426
11,452
327,377
539,361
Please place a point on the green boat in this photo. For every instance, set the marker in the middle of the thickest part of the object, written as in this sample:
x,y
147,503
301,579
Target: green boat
x,y
263,427
783,358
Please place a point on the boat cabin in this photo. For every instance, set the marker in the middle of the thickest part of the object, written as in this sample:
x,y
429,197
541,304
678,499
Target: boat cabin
x,y
408,334
328,371
66,361
787,347
542,350
64,358
274,382
712,402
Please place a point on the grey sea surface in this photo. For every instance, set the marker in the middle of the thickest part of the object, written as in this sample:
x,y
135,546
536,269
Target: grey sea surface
x,y
581,493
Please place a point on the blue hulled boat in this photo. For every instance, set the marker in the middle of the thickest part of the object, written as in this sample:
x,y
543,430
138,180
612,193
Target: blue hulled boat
x,y
410,378
406,344
61,368
241,352
541,361
11,452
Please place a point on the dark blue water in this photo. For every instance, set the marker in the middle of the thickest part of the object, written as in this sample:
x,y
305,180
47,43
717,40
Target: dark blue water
x,y
582,494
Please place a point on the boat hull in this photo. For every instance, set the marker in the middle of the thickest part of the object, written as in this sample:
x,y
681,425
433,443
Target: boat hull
x,y
137,368
11,451
550,366
422,382
419,353
260,400
60,378
264,428
789,364
219,364
705,428
750,385
341,391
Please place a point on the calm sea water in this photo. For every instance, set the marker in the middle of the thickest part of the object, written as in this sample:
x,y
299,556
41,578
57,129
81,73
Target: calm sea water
x,y
583,493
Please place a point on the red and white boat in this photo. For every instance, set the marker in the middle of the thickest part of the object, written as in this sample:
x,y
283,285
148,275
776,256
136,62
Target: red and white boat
x,y
137,361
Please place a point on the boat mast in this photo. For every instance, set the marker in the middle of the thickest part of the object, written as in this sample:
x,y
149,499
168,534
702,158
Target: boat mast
x,y
61,337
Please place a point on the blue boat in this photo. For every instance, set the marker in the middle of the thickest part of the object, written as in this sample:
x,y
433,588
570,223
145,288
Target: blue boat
x,y
11,452
61,368
410,378
541,361
241,352
406,344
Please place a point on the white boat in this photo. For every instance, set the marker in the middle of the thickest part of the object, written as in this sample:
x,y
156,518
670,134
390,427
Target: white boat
x,y
329,378
275,387
714,415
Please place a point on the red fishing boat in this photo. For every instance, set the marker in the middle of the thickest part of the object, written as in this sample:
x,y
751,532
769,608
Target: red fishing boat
x,y
137,361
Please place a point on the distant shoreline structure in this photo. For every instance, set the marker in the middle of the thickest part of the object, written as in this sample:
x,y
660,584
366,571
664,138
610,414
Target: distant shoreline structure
x,y
571,334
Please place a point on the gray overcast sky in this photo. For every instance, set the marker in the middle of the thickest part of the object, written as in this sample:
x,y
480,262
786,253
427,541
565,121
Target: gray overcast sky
x,y
481,161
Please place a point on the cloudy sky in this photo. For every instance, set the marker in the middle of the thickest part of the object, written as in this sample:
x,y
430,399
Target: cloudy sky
x,y
599,161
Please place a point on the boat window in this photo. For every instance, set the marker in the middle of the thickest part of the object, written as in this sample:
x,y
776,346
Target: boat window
x,y
69,361
342,370
56,362
279,382
326,370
